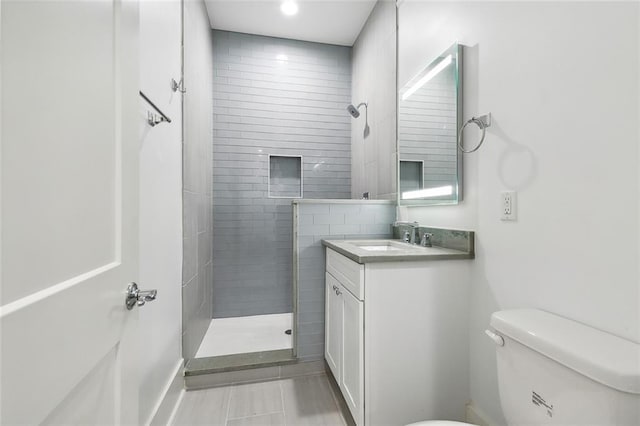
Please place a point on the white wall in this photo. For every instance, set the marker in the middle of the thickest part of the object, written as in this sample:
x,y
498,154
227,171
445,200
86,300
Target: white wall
x,y
160,203
373,80
561,80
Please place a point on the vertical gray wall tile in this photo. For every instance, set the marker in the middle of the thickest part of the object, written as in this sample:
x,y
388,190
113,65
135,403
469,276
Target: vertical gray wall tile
x,y
197,183
374,81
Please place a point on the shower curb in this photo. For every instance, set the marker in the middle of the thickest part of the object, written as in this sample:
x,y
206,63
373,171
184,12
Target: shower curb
x,y
235,362
284,370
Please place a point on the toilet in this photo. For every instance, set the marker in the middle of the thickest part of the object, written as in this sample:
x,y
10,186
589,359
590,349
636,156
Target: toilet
x,y
556,371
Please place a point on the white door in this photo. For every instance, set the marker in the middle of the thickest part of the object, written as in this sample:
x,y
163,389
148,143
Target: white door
x,y
68,199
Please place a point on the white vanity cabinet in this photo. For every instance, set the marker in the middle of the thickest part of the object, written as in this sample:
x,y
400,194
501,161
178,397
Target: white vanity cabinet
x,y
344,338
396,338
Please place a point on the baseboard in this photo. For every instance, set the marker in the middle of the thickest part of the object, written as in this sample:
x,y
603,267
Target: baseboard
x,y
167,405
477,417
174,412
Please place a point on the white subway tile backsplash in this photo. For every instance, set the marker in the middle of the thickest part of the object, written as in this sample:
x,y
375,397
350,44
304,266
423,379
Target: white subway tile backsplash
x,y
348,209
361,219
344,229
314,209
311,259
314,229
332,219
305,220
376,228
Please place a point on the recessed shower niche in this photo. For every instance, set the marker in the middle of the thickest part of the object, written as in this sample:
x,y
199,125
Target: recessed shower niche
x,y
285,176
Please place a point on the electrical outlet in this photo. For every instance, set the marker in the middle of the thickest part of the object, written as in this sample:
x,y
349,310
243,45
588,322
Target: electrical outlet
x,y
508,205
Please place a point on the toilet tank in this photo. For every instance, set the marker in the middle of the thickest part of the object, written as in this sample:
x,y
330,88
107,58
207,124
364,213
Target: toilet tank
x,y
556,371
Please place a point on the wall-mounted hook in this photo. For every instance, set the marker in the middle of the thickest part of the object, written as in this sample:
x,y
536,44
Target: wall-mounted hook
x,y
154,119
178,86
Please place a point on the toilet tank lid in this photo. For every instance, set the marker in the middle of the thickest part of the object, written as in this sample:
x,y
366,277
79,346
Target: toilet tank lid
x,y
603,357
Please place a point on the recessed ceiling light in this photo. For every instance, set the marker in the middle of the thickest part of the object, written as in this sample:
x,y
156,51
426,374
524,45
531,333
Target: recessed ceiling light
x,y
289,7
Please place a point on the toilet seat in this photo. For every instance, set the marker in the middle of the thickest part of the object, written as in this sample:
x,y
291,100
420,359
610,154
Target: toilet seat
x,y
440,423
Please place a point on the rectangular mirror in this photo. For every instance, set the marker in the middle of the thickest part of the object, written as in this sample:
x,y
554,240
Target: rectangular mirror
x,y
429,119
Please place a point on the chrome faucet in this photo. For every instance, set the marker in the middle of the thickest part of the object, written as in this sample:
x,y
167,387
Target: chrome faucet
x,y
408,236
426,240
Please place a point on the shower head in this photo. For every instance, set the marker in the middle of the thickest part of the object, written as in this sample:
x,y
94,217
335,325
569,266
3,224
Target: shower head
x,y
353,111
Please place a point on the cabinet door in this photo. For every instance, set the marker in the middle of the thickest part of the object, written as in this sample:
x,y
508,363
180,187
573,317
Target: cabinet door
x,y
352,381
333,326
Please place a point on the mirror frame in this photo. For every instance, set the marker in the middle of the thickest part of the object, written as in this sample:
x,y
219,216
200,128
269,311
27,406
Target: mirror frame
x,y
455,49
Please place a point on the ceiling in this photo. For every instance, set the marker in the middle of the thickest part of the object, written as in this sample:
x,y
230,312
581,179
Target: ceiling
x,y
322,21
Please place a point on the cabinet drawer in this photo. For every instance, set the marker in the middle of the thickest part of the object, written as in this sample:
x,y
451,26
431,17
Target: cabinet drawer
x,y
349,273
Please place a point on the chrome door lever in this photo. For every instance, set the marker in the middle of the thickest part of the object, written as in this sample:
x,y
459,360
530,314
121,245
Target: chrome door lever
x,y
135,296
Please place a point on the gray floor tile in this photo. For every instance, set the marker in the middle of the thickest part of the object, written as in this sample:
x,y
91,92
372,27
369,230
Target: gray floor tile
x,y
255,399
276,419
204,407
302,369
299,401
308,402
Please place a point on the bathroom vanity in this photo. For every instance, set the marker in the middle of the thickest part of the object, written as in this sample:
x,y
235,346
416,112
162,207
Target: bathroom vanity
x,y
396,329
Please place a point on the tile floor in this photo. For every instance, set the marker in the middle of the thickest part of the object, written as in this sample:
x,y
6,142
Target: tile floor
x,y
299,401
257,333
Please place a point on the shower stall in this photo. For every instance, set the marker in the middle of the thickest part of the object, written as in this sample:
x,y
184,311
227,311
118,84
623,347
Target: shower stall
x,y
280,133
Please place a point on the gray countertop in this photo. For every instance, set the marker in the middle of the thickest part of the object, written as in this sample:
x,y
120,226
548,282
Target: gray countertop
x,y
387,250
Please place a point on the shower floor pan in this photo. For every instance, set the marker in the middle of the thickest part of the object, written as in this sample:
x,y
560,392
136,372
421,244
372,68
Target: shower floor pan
x,y
257,333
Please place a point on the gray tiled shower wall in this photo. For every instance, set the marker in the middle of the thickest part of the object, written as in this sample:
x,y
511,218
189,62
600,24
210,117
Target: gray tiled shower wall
x,y
328,219
197,265
284,98
374,81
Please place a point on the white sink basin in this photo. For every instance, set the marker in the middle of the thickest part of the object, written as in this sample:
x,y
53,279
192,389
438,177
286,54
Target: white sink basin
x,y
379,248
383,245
